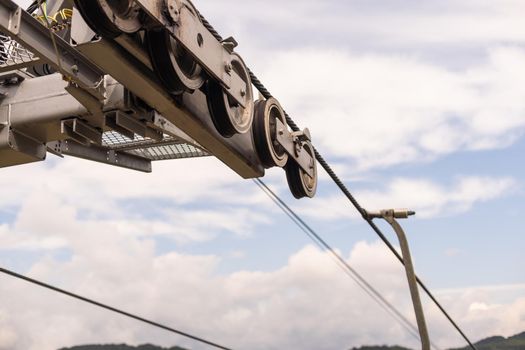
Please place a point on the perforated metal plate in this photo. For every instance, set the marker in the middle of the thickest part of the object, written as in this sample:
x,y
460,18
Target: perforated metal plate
x,y
168,148
13,55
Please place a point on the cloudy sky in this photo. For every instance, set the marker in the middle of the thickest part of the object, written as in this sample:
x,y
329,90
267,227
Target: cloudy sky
x,y
417,104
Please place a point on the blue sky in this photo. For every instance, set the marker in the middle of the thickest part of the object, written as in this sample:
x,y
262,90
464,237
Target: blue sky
x,y
416,104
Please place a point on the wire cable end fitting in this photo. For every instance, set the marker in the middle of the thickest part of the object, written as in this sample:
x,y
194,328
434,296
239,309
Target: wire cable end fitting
x,y
392,213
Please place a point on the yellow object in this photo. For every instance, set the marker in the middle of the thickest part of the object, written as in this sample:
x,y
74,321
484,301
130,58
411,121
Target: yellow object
x,y
64,14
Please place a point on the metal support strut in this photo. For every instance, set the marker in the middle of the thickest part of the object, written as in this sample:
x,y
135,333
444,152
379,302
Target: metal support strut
x,y
390,216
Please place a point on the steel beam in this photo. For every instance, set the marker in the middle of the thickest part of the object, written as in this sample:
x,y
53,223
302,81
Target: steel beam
x,y
21,65
190,114
37,105
29,32
44,99
101,155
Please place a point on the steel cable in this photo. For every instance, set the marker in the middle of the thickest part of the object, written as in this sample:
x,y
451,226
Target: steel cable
x,y
266,94
110,308
351,272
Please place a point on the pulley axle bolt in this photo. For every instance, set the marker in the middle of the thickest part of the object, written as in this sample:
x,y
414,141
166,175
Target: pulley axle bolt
x,y
243,92
228,67
298,148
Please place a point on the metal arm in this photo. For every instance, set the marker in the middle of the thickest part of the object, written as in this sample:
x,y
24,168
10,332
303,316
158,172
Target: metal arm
x,y
390,217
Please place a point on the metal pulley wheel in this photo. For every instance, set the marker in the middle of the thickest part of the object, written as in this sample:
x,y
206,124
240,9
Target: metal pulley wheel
x,y
110,18
230,117
264,129
300,183
174,65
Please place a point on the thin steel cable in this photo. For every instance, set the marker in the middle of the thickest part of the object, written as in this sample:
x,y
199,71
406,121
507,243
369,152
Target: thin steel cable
x,y
376,229
266,93
110,308
351,272
43,8
347,269
32,7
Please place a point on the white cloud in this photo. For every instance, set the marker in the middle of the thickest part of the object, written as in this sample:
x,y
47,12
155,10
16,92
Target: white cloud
x,y
381,110
8,335
377,108
395,26
478,307
481,312
431,200
426,197
451,252
88,184
308,303
114,259
75,198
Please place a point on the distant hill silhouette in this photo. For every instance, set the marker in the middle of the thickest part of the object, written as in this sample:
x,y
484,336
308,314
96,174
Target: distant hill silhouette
x,y
122,347
516,342
384,347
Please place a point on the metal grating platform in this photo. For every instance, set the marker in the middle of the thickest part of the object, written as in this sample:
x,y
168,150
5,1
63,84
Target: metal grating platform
x,y
168,148
13,55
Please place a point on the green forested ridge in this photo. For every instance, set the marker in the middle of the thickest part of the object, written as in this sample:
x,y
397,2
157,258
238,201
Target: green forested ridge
x,y
516,342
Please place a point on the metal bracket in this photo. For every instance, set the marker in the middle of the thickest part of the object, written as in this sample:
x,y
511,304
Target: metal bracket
x,y
12,77
101,155
211,54
92,104
15,19
128,126
390,216
80,132
17,148
172,10
155,10
112,121
230,44
292,143
167,127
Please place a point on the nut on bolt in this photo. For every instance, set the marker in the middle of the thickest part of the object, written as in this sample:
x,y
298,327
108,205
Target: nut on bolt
x,y
172,10
394,213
